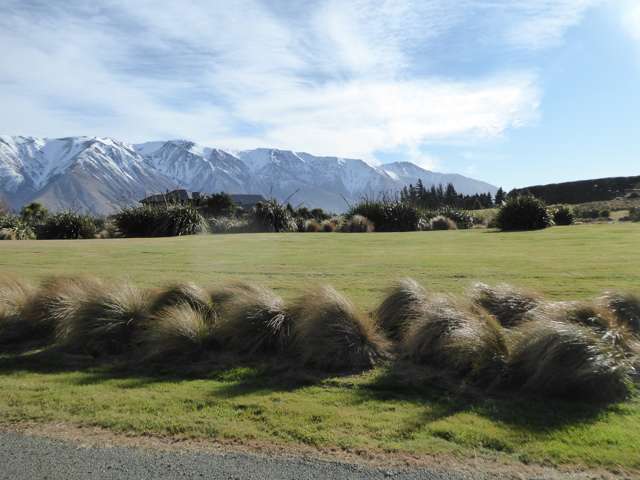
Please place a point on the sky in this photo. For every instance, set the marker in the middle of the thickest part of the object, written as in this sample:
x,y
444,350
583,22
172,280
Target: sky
x,y
514,92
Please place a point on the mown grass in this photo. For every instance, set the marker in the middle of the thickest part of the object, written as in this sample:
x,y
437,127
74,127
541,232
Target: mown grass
x,y
375,410
562,262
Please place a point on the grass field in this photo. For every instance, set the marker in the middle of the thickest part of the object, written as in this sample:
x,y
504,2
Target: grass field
x,y
375,411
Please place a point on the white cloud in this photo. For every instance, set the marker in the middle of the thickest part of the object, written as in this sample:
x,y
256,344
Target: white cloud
x,y
630,17
329,77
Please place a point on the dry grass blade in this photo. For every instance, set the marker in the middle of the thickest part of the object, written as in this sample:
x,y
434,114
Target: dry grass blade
x,y
108,322
626,307
460,338
15,296
404,302
254,321
508,304
563,359
180,330
179,293
330,333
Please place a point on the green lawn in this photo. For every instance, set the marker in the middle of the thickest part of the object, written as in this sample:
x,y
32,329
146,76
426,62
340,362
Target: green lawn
x,y
378,410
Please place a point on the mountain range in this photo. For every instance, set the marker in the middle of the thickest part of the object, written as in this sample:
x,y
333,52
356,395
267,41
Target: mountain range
x,y
101,175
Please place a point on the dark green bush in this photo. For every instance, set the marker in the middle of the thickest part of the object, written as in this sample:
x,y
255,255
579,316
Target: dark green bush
x,y
67,226
591,213
159,221
220,205
272,216
387,215
523,213
563,216
34,213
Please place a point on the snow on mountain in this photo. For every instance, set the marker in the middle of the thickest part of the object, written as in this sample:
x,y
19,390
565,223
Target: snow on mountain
x,y
102,174
97,175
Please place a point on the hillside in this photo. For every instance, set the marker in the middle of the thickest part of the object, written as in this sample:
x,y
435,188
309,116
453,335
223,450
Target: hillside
x,y
583,191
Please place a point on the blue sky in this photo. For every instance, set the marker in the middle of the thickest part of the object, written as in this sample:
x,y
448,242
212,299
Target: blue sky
x,y
515,92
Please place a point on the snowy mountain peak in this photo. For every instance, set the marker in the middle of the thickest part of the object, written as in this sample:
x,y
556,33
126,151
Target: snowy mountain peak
x,y
101,174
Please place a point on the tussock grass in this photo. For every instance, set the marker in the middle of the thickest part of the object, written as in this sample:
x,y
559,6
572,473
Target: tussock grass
x,y
58,300
564,359
442,223
107,323
357,224
180,329
15,296
179,293
405,300
332,335
254,320
626,308
507,303
454,335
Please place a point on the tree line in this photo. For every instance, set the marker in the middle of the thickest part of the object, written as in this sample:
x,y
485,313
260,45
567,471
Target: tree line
x,y
447,196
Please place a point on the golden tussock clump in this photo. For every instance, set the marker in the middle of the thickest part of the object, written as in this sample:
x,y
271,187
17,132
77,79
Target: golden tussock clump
x,y
507,303
458,337
405,300
253,320
331,334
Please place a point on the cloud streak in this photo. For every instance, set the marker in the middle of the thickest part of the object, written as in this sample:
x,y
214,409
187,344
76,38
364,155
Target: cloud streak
x,y
331,77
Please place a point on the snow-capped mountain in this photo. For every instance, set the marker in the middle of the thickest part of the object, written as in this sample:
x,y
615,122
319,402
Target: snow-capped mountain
x,y
100,175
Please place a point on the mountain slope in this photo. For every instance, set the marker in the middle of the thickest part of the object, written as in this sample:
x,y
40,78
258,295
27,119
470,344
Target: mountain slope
x,y
100,175
97,175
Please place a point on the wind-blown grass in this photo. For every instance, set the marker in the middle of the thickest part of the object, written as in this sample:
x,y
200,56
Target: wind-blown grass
x,y
107,323
15,296
405,300
331,334
507,303
254,320
180,330
569,360
453,335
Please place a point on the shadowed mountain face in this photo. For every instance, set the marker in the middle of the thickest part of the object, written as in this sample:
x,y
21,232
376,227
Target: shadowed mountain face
x,y
100,175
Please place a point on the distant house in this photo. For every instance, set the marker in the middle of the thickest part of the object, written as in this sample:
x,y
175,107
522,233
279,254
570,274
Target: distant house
x,y
184,197
247,200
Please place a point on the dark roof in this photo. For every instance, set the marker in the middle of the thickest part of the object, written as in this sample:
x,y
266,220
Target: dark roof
x,y
179,195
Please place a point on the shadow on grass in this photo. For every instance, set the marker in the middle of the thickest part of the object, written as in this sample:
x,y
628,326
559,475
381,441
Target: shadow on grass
x,y
441,396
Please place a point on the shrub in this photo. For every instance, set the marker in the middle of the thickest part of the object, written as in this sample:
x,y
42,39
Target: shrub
x,y
442,223
220,204
67,226
626,308
563,359
591,213
456,337
330,334
13,227
388,215
159,221
523,213
563,216
107,323
254,321
357,224
508,304
272,216
180,330
15,296
34,213
405,301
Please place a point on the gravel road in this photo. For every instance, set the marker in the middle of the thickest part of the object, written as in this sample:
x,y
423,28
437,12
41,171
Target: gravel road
x,y
29,457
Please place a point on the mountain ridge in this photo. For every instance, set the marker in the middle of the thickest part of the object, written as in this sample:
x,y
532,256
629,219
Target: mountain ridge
x,y
101,174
